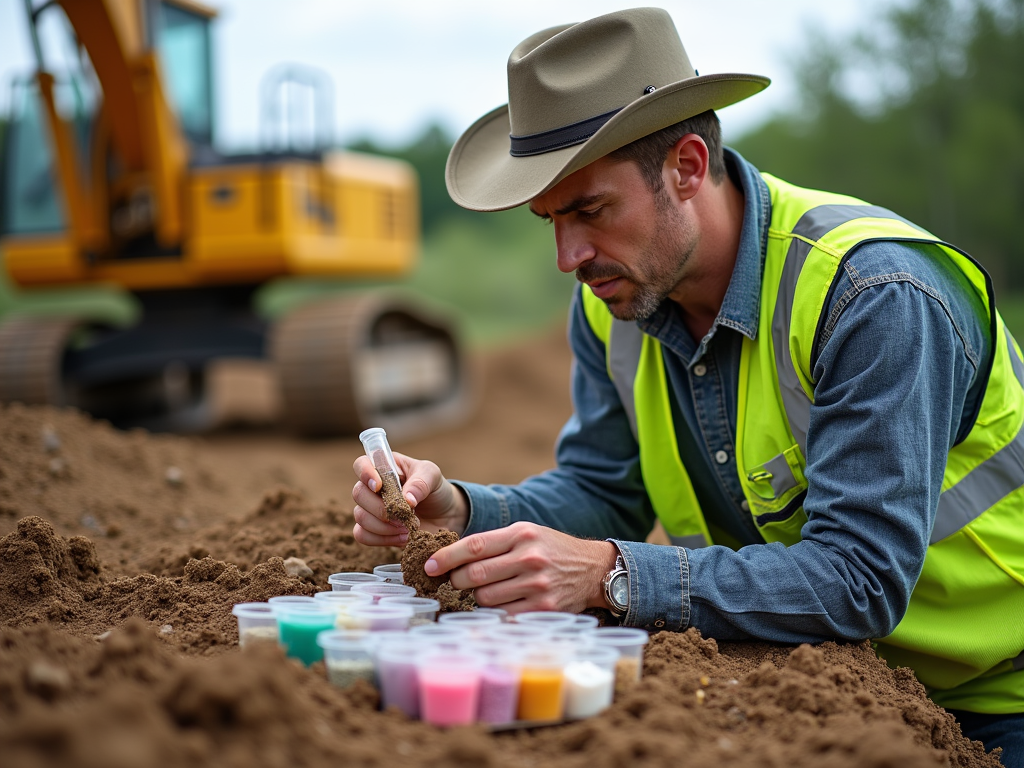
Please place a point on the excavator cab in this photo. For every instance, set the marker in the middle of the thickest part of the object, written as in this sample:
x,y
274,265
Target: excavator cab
x,y
110,177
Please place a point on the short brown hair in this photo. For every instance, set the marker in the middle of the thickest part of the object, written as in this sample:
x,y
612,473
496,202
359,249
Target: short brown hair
x,y
649,152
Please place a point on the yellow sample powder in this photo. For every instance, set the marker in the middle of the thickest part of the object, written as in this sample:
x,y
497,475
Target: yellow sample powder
x,y
540,694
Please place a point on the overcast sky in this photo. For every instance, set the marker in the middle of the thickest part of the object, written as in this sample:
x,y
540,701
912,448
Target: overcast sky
x,y
399,64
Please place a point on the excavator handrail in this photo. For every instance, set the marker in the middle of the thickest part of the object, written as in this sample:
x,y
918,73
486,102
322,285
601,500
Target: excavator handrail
x,y
272,84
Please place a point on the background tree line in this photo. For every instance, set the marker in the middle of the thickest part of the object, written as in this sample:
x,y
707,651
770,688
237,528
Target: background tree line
x,y
923,113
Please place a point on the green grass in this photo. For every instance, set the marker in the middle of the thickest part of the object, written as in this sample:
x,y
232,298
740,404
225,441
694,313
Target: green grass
x,y
102,303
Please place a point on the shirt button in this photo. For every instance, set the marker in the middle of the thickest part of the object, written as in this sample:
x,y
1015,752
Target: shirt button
x,y
721,457
745,505
700,369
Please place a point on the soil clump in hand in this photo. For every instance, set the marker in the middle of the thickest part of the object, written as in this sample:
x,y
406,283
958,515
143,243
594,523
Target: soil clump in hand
x,y
422,545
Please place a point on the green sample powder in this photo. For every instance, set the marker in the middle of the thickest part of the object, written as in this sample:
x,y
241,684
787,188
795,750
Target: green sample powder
x,y
298,635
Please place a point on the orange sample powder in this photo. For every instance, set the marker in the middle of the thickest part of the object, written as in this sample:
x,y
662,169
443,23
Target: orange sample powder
x,y
540,694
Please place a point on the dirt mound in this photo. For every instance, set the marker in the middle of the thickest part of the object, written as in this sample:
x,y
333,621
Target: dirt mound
x,y
121,555
128,701
124,490
47,578
284,524
44,577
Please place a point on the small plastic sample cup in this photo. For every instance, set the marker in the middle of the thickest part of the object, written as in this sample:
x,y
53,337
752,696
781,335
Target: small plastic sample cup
x,y
300,623
396,673
290,599
449,687
390,572
424,608
585,621
346,656
499,612
470,620
500,680
256,623
542,682
376,617
629,642
343,582
343,598
590,681
549,619
577,638
380,589
441,635
342,601
516,634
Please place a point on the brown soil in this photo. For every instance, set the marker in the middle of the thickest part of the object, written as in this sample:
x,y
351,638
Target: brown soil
x,y
121,555
397,507
423,544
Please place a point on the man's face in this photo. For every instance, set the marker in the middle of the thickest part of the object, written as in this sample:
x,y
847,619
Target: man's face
x,y
630,245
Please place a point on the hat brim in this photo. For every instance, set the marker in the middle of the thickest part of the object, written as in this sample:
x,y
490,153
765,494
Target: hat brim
x,y
481,174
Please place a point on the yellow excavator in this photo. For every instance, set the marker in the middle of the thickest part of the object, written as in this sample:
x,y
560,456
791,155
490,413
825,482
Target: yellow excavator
x,y
110,177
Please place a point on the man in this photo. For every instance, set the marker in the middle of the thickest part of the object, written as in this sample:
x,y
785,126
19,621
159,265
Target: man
x,y
815,397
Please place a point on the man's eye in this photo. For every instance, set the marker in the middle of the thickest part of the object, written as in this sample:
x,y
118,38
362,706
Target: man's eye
x,y
591,214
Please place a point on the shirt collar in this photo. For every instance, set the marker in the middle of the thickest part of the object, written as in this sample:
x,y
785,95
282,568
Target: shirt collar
x,y
742,301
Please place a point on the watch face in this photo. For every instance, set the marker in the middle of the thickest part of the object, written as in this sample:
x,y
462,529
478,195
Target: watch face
x,y
619,589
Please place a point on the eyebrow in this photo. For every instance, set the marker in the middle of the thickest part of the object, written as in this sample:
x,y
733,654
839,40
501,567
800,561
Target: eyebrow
x,y
575,205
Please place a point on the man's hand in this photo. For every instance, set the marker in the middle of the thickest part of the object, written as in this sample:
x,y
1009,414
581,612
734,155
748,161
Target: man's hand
x,y
526,567
437,503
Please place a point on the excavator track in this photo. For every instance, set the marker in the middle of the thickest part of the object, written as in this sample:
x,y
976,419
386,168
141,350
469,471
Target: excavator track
x,y
31,351
373,359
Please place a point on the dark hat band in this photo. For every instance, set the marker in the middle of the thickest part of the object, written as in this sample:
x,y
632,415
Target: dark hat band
x,y
558,138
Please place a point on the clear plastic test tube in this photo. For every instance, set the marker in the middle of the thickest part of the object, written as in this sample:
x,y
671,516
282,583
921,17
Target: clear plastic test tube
x,y
375,443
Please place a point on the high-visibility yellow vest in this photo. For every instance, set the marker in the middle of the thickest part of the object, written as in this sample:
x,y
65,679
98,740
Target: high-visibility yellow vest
x,y
963,632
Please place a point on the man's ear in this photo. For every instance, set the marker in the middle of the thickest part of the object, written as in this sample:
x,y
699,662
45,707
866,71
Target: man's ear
x,y
686,167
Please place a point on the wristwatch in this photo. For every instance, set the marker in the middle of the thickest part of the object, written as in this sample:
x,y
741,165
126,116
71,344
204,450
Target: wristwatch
x,y
616,588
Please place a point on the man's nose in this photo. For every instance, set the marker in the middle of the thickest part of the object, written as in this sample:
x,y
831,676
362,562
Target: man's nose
x,y
573,248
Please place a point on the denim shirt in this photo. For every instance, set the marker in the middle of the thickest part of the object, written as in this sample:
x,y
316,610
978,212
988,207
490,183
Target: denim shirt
x,y
897,385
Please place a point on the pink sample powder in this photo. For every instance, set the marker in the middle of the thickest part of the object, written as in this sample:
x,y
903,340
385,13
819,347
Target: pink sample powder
x,y
449,696
499,695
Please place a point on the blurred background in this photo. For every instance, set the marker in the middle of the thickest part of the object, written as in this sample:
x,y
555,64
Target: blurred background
x,y
916,105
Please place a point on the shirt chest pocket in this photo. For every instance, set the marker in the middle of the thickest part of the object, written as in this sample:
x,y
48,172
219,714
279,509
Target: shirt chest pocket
x,y
775,491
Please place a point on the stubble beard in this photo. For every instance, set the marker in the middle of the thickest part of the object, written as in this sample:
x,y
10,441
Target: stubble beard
x,y
659,268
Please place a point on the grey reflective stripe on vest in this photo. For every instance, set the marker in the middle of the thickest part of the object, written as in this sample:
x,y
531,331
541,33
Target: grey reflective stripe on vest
x,y
986,484
694,541
814,225
1015,361
625,343
782,478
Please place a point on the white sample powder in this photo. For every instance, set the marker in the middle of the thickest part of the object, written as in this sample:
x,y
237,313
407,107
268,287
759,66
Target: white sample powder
x,y
588,689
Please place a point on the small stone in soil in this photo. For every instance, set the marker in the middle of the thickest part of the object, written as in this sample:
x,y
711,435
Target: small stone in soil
x,y
297,567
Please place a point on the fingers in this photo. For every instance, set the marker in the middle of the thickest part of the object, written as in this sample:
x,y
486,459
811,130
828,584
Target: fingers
x,y
469,550
372,526
375,532
420,478
366,473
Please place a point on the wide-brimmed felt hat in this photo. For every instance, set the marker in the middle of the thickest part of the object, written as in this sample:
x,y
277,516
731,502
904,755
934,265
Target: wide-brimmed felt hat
x,y
577,92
